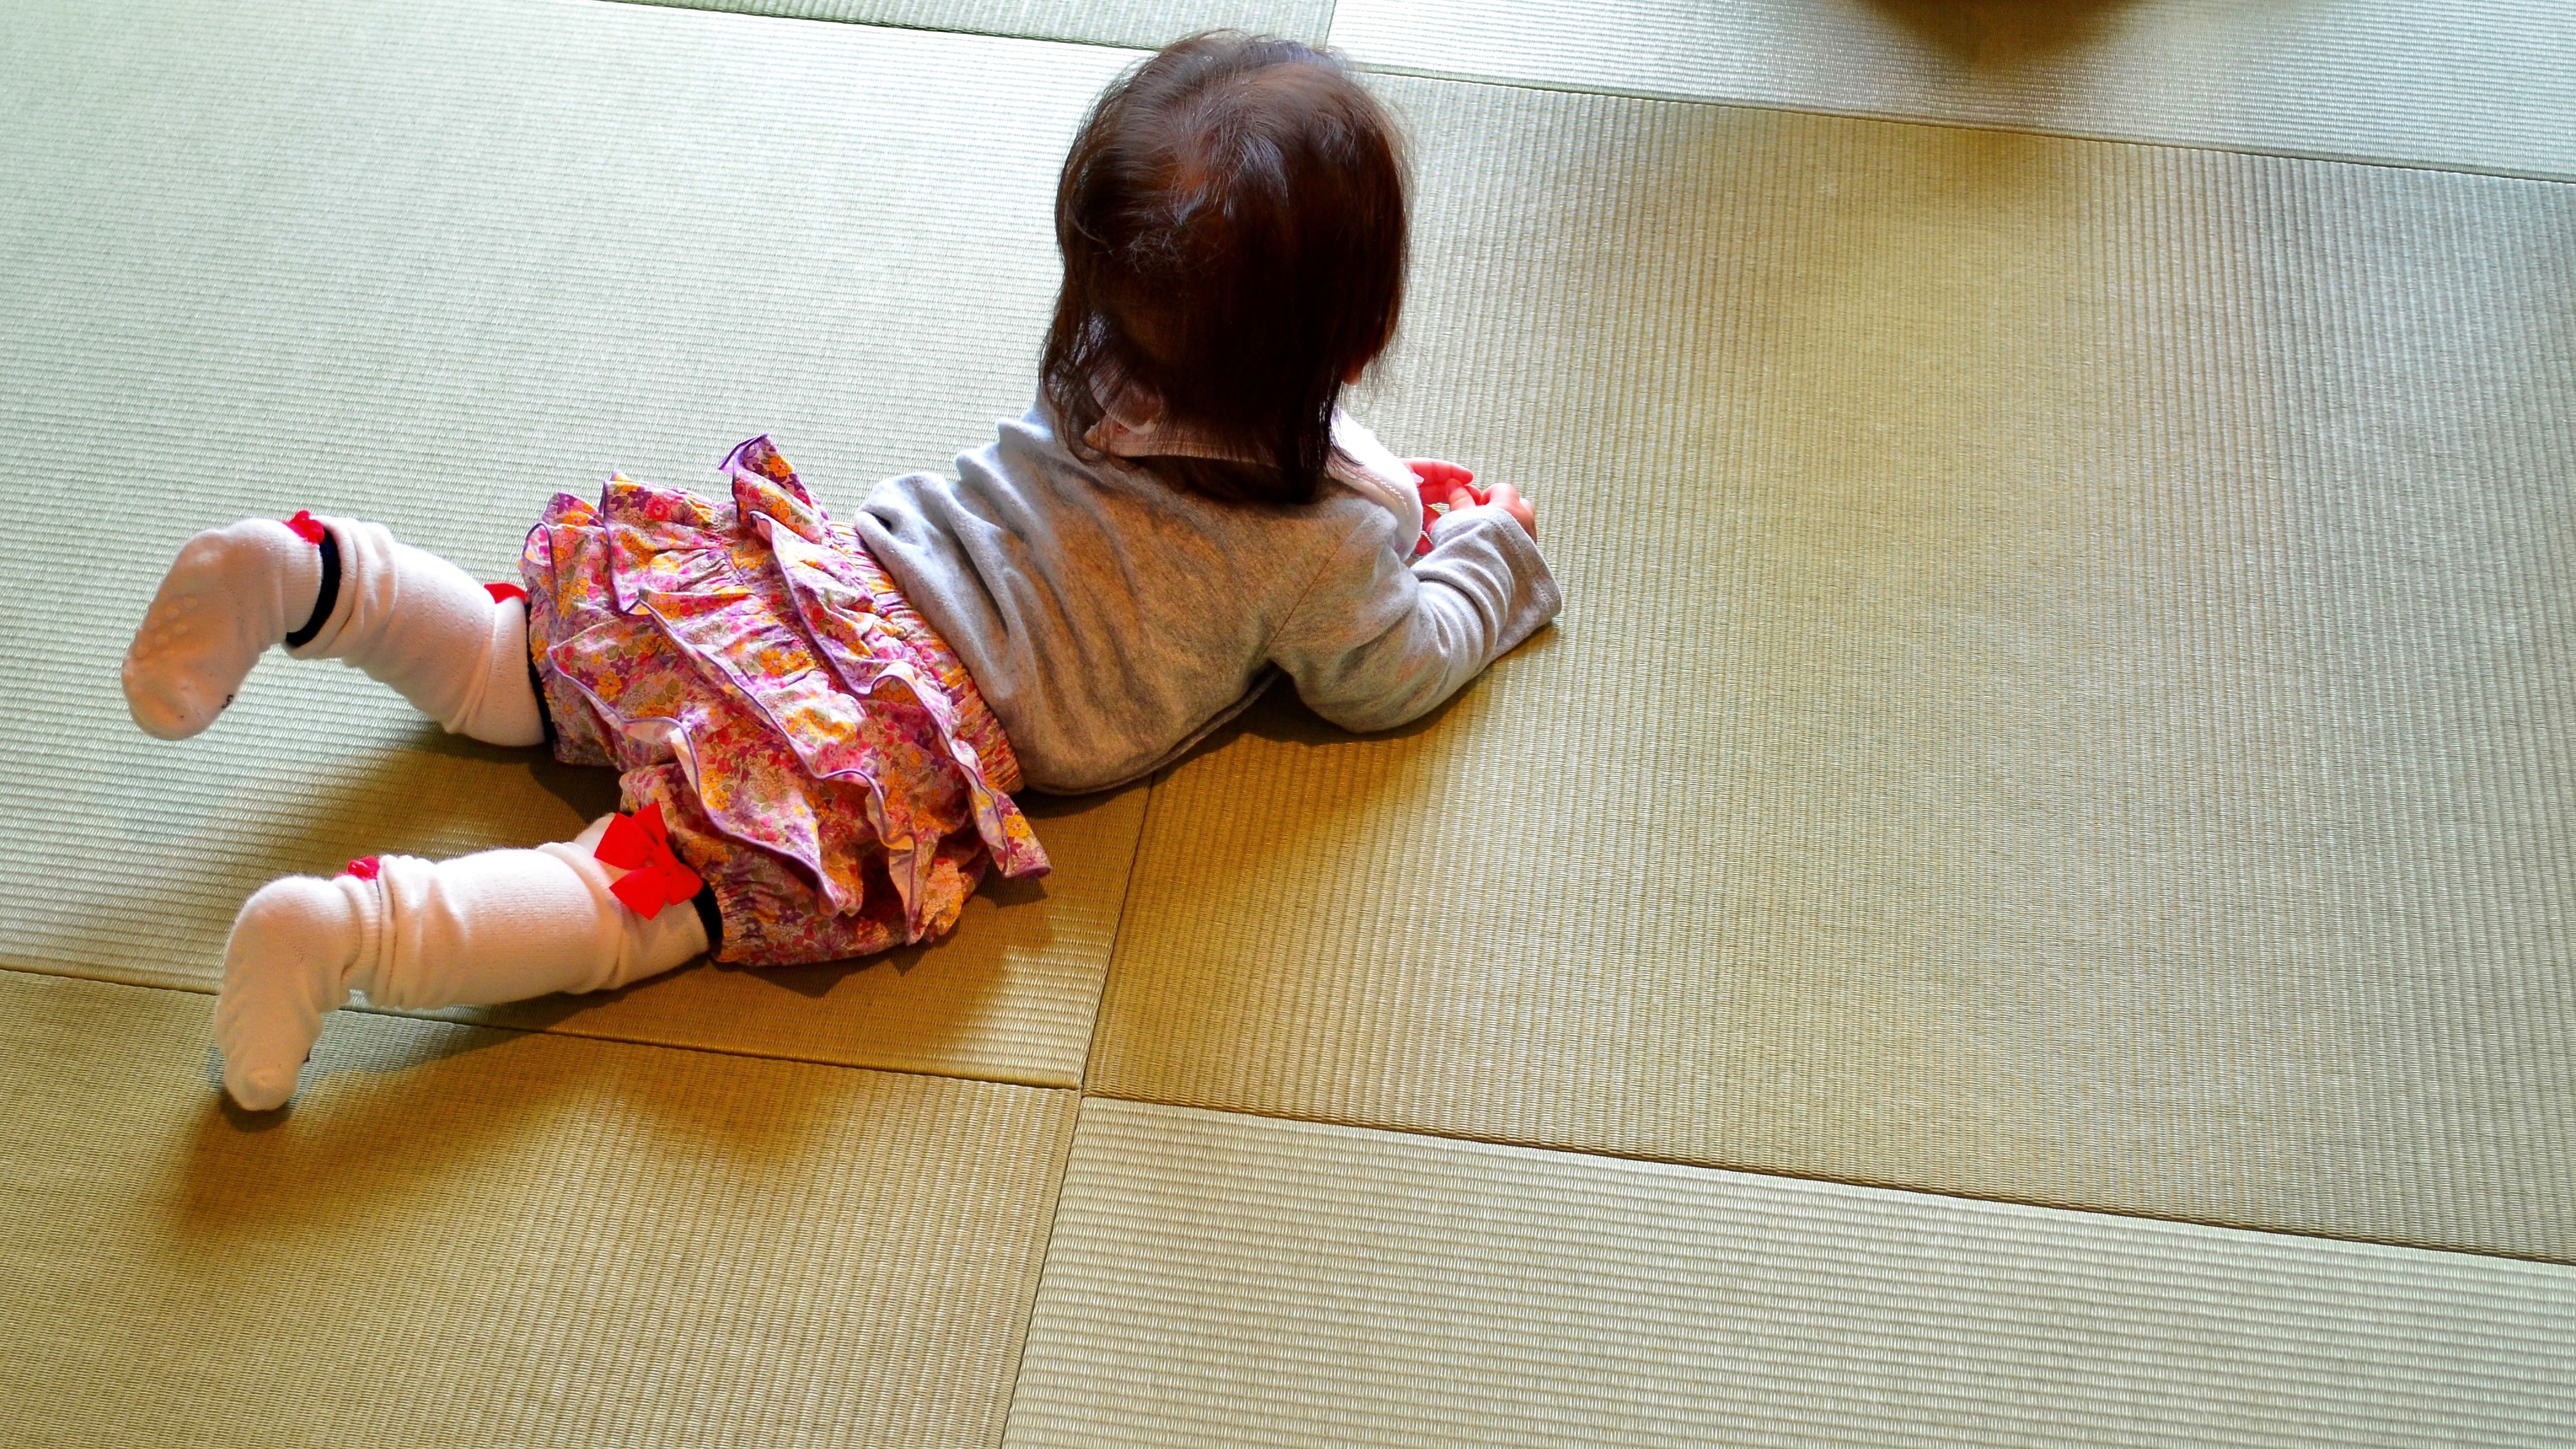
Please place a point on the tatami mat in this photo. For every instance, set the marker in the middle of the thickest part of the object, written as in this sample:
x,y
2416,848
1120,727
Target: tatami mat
x,y
1145,23
356,257
2484,85
1229,1280
469,1237
2062,696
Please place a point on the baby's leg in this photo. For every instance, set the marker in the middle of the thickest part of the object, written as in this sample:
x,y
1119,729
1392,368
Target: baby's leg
x,y
408,618
503,925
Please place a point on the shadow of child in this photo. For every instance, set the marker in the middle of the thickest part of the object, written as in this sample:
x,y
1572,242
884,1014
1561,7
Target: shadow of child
x,y
388,1108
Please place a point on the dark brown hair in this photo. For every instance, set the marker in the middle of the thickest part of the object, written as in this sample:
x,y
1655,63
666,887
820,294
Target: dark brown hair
x,y
1232,219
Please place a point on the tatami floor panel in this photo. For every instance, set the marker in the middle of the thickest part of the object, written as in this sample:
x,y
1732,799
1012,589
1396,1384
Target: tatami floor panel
x,y
354,257
2485,85
1145,23
460,1236
2063,691
1215,1279
2063,698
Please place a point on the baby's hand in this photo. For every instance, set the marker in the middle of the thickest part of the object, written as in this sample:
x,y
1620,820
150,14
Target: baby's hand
x,y
1509,499
1446,486
1441,482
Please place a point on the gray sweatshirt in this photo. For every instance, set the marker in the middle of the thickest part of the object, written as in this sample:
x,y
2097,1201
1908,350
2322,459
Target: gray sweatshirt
x,y
1112,620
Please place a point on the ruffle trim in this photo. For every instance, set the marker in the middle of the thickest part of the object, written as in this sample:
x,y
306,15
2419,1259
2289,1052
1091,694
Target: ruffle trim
x,y
839,695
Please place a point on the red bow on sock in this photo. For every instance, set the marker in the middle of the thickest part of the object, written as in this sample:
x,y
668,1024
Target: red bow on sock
x,y
306,526
640,845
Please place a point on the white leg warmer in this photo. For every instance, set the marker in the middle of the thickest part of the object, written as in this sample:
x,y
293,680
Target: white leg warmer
x,y
230,594
503,925
424,626
408,618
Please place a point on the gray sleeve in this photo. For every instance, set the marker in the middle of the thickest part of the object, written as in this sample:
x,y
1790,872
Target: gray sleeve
x,y
1375,643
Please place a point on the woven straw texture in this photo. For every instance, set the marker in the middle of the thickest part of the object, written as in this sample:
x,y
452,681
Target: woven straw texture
x,y
2063,707
2489,86
469,1236
356,259
1216,1279
2062,696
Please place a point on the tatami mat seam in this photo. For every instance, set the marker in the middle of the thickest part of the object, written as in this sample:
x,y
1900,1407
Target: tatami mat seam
x,y
1126,895
919,27
1912,1190
1679,98
127,985
1675,98
999,1080
1038,1280
996,1079
91,971
1064,1170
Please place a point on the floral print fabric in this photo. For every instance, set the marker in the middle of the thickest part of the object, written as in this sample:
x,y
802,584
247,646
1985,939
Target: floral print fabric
x,y
819,754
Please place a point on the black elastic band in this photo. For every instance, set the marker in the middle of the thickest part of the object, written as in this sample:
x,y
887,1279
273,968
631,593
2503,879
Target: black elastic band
x,y
709,917
545,715
323,601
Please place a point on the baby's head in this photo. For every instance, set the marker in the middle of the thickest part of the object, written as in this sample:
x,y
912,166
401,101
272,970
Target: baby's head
x,y
1233,226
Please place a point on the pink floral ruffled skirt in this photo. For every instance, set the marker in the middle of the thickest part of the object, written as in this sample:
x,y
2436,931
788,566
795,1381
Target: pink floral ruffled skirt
x,y
819,754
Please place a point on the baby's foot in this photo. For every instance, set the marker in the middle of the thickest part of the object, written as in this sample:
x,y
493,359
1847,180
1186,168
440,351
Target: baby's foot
x,y
231,594
287,963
